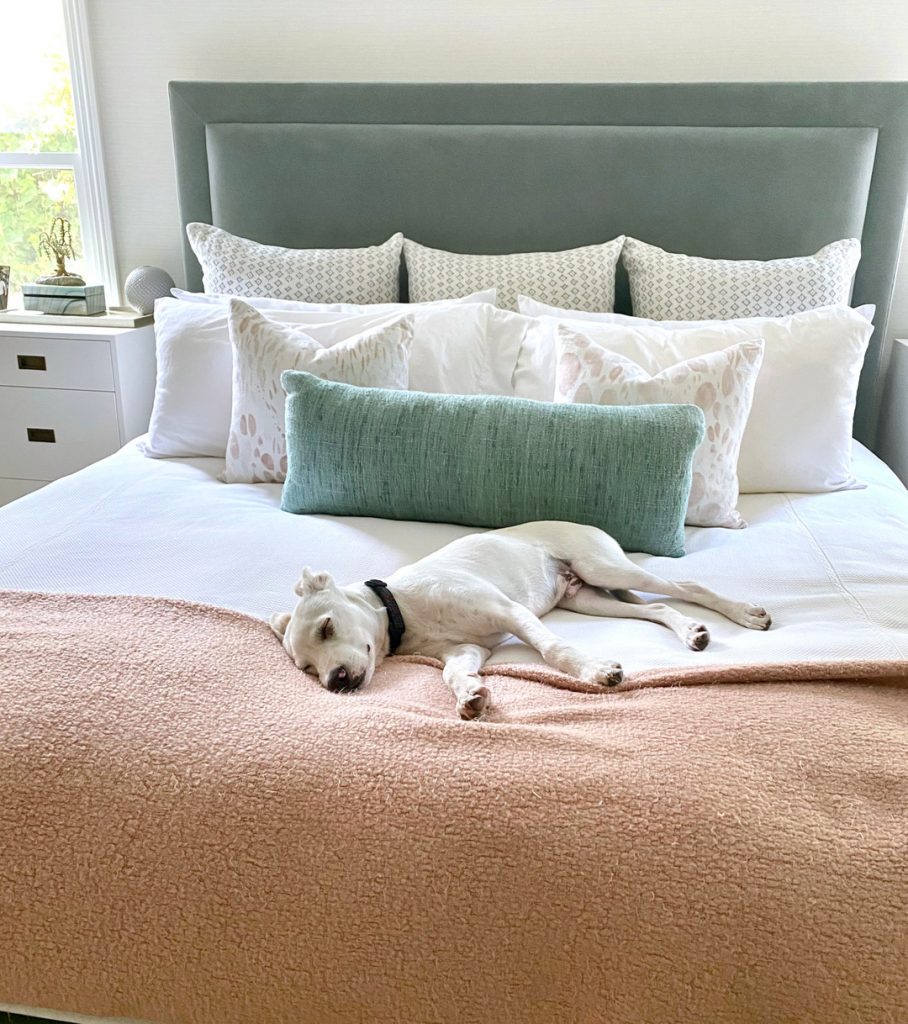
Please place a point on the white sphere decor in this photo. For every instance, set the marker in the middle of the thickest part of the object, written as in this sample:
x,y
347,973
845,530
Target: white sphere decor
x,y
144,285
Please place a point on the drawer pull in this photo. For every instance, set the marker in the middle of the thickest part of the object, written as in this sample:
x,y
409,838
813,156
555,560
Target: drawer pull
x,y
31,362
41,434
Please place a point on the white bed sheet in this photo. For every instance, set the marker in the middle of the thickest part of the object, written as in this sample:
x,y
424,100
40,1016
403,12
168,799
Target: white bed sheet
x,y
832,568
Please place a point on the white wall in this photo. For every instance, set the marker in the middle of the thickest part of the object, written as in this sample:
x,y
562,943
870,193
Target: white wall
x,y
140,45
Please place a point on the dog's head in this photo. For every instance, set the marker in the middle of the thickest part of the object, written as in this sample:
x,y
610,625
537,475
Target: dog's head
x,y
330,633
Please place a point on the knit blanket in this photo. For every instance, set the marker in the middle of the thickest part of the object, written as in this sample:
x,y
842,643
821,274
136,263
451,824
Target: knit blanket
x,y
194,832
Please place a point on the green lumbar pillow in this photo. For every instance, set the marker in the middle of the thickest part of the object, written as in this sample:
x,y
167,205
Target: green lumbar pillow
x,y
484,460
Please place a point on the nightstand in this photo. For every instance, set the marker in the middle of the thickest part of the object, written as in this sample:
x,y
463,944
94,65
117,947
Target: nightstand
x,y
68,397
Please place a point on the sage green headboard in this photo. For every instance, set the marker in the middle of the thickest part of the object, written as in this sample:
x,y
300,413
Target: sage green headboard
x,y
731,170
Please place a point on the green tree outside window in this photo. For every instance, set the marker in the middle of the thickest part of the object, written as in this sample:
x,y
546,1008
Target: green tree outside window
x,y
31,197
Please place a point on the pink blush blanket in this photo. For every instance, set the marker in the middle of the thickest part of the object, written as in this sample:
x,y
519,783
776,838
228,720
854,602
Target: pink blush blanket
x,y
194,832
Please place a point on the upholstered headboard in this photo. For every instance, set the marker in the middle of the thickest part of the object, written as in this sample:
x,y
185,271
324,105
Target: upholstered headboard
x,y
725,170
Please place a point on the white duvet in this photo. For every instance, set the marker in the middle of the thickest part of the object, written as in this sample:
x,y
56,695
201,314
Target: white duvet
x,y
832,568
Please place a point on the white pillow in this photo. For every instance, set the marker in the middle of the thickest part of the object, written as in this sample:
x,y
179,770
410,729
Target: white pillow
x,y
263,348
672,286
239,266
453,353
582,277
798,436
191,410
458,348
721,383
264,302
533,307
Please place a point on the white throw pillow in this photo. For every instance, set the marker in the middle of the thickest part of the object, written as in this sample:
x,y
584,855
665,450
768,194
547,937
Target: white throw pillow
x,y
721,383
672,286
263,349
798,435
583,277
239,266
655,346
458,348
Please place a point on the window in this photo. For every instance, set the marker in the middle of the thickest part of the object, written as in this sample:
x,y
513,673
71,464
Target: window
x,y
49,155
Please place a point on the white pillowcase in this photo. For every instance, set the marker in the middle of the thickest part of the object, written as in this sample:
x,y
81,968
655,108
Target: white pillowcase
x,y
266,302
672,286
721,383
239,266
458,348
262,349
798,435
583,277
533,307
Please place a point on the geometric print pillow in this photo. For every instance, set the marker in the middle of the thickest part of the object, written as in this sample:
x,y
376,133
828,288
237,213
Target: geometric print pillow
x,y
581,278
378,357
672,286
721,383
238,266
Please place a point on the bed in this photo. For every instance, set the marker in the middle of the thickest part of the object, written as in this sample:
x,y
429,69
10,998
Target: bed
x,y
723,840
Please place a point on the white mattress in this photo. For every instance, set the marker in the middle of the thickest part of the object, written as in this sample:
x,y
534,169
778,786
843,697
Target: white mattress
x,y
831,567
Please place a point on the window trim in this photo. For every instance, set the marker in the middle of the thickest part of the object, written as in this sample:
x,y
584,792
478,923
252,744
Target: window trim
x,y
39,160
90,175
88,164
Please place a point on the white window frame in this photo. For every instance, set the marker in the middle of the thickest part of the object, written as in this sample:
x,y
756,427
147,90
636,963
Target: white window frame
x,y
87,164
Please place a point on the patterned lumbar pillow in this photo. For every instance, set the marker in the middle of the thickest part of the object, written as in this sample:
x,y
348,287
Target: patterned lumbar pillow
x,y
671,286
720,383
238,266
263,348
583,278
489,460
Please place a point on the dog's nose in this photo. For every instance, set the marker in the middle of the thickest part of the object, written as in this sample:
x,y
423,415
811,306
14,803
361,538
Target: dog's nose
x,y
341,680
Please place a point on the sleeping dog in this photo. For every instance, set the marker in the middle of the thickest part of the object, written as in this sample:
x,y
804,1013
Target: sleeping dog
x,y
466,598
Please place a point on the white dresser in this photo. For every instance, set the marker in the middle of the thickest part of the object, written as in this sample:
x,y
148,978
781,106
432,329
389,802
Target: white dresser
x,y
68,397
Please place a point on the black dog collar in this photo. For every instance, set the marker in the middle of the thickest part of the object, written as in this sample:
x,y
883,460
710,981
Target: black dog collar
x,y
396,627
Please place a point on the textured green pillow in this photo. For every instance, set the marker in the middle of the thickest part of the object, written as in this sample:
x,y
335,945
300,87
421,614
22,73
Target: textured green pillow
x,y
484,460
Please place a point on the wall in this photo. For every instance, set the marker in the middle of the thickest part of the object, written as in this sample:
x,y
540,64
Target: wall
x,y
139,46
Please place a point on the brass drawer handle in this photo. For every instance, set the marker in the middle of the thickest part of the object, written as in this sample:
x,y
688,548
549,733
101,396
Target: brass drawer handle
x,y
31,362
41,434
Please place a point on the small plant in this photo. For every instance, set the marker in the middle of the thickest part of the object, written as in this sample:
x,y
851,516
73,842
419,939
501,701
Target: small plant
x,y
57,244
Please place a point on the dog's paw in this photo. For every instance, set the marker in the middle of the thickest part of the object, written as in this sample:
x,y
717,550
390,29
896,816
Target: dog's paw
x,y
753,617
474,704
697,636
603,673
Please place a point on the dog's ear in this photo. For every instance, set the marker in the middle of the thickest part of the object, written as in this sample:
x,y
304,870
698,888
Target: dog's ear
x,y
279,623
311,581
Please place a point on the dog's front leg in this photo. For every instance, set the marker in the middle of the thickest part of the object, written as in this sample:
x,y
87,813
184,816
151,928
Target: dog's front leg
x,y
560,655
461,672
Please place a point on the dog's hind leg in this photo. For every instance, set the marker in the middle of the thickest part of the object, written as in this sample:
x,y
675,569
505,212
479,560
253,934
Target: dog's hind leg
x,y
461,672
634,578
560,655
589,601
598,560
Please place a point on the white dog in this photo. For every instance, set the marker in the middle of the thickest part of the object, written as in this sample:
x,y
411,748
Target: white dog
x,y
467,597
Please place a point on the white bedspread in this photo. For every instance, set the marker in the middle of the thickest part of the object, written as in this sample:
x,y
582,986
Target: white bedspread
x,y
832,568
